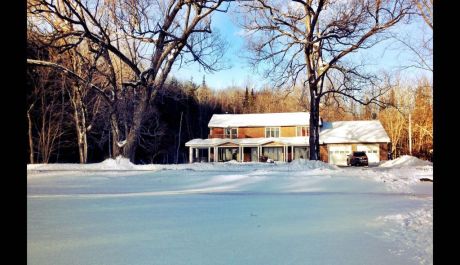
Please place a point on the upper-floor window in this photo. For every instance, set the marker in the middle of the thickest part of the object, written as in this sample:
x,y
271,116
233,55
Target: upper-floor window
x,y
272,132
231,133
302,131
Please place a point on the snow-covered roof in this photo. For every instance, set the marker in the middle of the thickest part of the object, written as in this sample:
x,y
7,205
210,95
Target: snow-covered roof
x,y
353,132
260,119
207,142
247,141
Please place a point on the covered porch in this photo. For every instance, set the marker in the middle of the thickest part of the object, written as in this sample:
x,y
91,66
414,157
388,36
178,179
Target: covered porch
x,y
247,149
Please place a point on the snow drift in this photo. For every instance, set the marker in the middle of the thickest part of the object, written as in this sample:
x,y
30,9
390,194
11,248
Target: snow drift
x,y
123,164
405,161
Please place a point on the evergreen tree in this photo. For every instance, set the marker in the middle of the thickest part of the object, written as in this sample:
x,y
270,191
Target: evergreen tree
x,y
252,100
246,101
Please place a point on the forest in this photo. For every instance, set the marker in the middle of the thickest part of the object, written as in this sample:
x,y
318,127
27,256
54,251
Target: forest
x,y
99,82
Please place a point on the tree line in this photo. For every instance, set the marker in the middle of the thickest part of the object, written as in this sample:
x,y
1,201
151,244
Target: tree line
x,y
99,82
182,110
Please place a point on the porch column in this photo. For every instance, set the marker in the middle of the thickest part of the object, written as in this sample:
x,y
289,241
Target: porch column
x,y
216,154
209,154
197,155
258,153
190,154
285,153
240,153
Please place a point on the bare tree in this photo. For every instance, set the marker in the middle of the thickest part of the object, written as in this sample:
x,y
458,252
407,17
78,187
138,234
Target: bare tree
x,y
423,118
147,36
425,10
308,40
44,115
421,47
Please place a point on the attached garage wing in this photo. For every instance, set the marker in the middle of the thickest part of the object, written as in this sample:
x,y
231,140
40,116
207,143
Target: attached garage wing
x,y
338,153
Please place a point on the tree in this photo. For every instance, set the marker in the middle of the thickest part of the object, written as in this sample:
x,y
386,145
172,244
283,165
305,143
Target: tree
x,y
421,47
148,37
44,114
246,101
422,118
307,42
425,10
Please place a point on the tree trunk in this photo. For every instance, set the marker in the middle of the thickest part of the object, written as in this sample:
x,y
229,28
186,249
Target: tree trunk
x,y
116,149
80,124
314,125
31,142
132,139
316,119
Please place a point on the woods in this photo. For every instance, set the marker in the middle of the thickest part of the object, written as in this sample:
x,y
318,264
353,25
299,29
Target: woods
x,y
99,80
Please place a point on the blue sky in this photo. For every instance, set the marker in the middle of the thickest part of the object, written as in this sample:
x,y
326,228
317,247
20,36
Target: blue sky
x,y
389,55
239,72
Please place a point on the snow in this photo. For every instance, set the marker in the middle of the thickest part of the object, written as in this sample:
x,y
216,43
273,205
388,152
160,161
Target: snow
x,y
207,142
123,164
420,225
119,163
353,132
122,143
303,212
404,161
202,143
260,119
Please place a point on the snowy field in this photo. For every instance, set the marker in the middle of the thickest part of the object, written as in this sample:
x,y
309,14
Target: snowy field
x,y
302,212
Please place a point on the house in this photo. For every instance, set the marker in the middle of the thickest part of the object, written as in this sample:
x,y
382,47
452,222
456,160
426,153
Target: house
x,y
285,137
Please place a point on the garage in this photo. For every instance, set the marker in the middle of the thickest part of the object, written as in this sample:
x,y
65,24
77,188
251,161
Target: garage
x,y
372,152
338,153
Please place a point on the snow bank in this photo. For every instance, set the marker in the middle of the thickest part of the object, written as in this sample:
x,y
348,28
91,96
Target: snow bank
x,y
311,164
405,161
119,163
123,164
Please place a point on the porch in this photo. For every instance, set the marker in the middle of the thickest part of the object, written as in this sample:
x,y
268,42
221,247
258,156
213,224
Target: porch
x,y
247,150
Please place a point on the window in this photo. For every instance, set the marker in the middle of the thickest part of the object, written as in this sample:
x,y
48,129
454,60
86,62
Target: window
x,y
272,132
302,131
231,133
274,153
302,153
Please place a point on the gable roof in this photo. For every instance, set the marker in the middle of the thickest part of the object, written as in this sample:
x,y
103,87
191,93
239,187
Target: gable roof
x,y
353,132
260,119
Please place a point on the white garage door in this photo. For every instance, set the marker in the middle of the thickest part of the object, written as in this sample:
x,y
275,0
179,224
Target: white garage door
x,y
372,151
338,153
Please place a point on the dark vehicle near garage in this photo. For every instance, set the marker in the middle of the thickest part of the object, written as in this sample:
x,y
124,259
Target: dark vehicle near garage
x,y
357,158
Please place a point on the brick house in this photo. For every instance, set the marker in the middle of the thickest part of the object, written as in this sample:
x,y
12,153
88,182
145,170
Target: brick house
x,y
284,137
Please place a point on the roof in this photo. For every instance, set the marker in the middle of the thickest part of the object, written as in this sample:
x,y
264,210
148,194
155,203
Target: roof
x,y
353,132
207,142
247,141
260,119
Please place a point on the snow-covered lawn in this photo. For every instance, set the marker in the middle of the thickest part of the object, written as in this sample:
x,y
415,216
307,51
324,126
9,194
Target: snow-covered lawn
x,y
302,212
